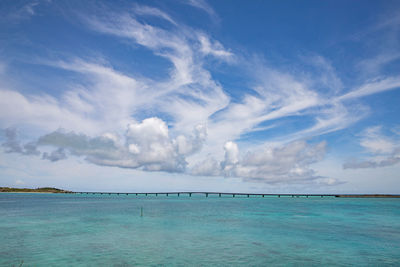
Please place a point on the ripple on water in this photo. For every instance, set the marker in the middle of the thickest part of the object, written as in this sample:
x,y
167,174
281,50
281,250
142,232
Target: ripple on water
x,y
81,231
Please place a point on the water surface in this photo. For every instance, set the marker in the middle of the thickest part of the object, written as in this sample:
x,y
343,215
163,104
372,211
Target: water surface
x,y
102,230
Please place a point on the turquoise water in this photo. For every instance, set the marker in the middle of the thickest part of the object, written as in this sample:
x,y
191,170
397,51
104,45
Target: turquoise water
x,y
102,230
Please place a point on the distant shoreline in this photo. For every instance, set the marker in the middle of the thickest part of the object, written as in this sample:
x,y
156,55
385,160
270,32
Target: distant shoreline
x,y
35,190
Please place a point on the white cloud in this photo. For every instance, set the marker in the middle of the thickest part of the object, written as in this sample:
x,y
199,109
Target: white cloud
x,y
374,65
372,87
145,145
271,164
383,150
190,95
231,153
375,142
43,111
213,48
152,11
203,5
207,167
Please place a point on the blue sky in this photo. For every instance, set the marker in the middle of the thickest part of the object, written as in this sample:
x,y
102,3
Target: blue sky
x,y
260,96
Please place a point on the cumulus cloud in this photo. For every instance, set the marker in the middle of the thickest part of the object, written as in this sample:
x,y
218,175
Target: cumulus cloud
x,y
382,150
229,165
289,162
208,167
146,145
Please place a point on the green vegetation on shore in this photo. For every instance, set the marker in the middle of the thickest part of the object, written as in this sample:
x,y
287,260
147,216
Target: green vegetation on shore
x,y
36,190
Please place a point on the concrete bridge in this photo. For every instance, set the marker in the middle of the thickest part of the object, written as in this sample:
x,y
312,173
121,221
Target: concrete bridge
x,y
206,194
221,194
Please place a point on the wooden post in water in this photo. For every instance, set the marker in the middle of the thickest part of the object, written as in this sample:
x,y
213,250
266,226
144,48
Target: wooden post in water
x,y
279,195
248,195
219,194
167,194
263,195
233,195
178,194
141,211
156,194
206,194
190,194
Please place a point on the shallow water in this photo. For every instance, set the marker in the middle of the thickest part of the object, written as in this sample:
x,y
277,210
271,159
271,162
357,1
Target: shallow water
x,y
102,230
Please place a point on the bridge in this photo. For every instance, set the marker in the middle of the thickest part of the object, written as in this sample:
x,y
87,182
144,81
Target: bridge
x,y
221,194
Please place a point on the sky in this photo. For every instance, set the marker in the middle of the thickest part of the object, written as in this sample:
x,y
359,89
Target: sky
x,y
194,95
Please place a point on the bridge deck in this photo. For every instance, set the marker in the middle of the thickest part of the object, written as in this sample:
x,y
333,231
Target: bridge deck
x,y
220,194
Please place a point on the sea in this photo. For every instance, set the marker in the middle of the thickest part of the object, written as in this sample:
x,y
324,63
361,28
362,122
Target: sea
x,y
127,230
